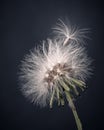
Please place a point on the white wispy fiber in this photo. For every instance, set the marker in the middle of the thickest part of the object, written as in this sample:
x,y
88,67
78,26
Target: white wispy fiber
x,y
68,33
57,61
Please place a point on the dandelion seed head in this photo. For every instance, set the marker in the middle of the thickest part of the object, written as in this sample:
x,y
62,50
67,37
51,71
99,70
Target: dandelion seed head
x,y
42,70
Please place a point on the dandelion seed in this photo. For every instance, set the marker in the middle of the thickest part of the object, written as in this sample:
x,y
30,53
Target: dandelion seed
x,y
55,71
68,33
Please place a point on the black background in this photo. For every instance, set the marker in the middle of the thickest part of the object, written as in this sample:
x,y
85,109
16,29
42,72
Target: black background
x,y
23,25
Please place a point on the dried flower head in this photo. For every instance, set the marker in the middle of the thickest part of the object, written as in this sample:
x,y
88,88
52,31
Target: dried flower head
x,y
57,69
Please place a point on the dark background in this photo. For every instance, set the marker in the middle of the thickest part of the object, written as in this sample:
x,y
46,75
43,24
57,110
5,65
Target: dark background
x,y
23,25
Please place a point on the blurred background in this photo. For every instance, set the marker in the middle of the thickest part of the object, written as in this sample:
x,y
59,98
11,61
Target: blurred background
x,y
24,23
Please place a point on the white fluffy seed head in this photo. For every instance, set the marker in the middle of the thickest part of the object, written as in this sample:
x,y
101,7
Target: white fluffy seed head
x,y
41,69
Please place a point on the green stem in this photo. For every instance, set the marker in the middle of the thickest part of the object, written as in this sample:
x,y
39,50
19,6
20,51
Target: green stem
x,y
73,87
58,97
63,84
71,104
80,83
51,100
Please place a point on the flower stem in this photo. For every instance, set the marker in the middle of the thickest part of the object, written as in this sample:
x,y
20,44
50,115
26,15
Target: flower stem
x,y
51,100
80,83
64,85
72,106
72,86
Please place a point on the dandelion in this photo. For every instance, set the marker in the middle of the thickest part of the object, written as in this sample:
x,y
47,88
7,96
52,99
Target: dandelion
x,y
56,70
